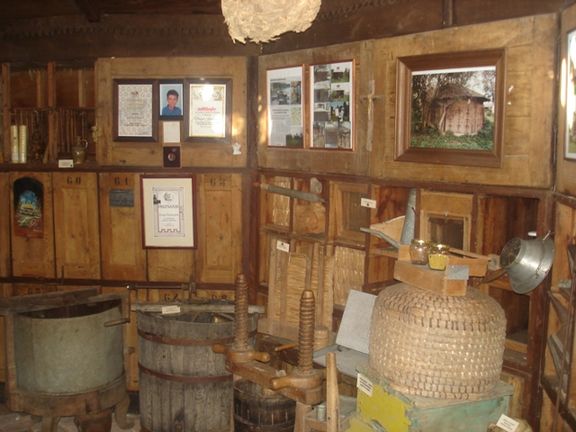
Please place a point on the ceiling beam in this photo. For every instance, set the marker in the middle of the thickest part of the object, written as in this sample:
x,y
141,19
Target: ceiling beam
x,y
90,9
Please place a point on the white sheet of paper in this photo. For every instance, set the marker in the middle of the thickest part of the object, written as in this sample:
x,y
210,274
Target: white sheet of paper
x,y
354,331
171,131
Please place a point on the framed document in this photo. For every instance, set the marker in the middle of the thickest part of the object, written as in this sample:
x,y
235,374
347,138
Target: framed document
x,y
285,113
168,212
134,110
209,115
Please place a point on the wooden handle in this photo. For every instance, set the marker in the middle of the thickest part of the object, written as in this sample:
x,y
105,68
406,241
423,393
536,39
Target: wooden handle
x,y
332,394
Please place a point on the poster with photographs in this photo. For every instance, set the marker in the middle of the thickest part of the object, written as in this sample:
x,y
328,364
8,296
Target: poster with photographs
x,y
570,139
331,89
285,115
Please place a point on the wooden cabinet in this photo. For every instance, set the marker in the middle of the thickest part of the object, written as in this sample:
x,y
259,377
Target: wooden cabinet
x,y
32,251
121,227
559,378
76,219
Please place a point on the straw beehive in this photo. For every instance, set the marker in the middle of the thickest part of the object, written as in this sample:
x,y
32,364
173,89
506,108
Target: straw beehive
x,y
432,345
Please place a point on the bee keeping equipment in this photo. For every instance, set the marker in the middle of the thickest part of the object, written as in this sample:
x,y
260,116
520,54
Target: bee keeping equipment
x,y
64,354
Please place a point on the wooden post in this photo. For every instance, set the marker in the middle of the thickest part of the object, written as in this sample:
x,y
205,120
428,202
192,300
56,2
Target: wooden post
x,y
6,117
332,395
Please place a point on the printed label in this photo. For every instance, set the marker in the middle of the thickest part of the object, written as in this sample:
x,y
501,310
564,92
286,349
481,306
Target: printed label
x,y
283,246
507,423
364,384
366,202
172,309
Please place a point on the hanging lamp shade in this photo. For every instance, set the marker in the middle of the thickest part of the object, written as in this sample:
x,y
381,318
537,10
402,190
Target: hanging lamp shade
x,y
264,20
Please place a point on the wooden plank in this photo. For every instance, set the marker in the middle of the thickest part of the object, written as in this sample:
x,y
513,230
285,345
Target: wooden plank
x,y
431,280
34,256
171,265
77,225
219,230
5,267
123,256
529,164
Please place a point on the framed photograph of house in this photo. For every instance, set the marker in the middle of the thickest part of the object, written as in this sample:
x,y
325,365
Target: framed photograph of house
x,y
331,107
570,138
168,211
285,110
450,108
209,110
134,110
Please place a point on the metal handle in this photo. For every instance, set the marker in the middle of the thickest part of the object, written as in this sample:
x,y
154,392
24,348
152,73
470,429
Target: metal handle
x,y
116,322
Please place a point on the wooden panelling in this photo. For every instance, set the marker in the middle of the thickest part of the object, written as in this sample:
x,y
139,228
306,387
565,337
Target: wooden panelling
x,y
319,161
34,256
219,222
171,265
5,268
565,168
123,256
527,128
146,154
76,222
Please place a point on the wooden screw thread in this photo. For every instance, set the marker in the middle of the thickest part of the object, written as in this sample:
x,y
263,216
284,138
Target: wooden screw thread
x,y
241,314
306,332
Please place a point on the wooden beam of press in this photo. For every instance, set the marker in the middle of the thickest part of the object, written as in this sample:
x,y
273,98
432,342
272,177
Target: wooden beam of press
x,y
157,307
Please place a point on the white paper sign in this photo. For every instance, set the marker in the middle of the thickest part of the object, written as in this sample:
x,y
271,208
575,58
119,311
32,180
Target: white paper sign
x,y
283,246
507,423
172,309
171,132
364,384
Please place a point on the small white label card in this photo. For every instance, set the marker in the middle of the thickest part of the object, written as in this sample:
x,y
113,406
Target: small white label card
x,y
171,132
283,246
507,423
367,202
364,384
170,309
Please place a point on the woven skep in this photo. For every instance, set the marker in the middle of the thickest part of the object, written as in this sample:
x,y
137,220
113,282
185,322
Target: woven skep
x,y
264,20
437,346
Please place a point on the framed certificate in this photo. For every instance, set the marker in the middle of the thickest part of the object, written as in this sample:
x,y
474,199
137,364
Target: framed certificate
x,y
168,212
134,110
209,115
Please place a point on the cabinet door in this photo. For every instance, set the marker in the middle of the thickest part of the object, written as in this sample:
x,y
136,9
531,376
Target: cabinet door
x,y
76,225
219,210
32,237
121,227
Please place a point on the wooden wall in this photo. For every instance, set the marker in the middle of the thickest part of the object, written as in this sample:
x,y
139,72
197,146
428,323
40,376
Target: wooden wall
x,y
147,154
529,46
565,172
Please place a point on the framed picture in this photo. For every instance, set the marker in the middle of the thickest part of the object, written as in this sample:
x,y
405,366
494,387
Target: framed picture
x,y
450,108
168,211
209,116
285,113
28,207
134,110
170,100
570,138
331,113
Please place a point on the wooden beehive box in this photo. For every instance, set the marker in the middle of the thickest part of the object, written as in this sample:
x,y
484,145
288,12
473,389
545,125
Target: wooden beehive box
x,y
452,281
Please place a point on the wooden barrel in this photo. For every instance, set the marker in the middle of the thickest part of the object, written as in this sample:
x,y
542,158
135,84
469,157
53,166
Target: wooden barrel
x,y
184,386
260,410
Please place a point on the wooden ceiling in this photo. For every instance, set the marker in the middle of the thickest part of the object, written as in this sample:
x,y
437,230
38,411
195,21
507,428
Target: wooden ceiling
x,y
63,30
93,10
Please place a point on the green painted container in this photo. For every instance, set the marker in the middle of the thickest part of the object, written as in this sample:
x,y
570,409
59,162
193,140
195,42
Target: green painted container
x,y
381,408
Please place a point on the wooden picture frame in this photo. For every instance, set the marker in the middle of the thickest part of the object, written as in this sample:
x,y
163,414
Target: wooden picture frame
x,y
570,95
450,108
168,211
284,87
135,110
208,108
332,105
171,99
